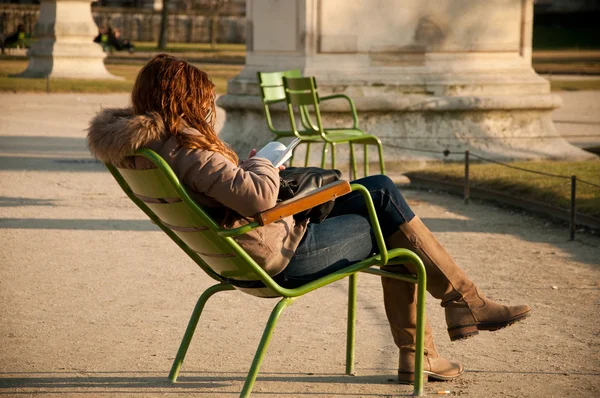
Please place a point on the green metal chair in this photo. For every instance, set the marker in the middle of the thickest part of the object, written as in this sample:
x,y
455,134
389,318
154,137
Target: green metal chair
x,y
159,194
302,94
271,89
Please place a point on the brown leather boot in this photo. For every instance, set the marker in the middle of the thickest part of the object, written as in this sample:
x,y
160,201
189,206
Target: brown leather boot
x,y
467,310
401,309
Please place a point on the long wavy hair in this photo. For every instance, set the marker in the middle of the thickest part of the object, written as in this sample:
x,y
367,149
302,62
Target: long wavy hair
x,y
182,95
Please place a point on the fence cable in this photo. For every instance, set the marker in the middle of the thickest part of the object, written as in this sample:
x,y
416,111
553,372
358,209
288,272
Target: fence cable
x,y
536,137
448,152
520,168
445,152
589,183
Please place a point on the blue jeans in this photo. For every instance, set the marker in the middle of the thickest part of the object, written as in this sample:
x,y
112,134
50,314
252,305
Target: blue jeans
x,y
345,237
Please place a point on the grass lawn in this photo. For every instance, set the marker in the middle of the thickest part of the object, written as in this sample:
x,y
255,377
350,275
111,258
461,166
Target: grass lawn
x,y
521,184
571,36
574,85
8,67
150,46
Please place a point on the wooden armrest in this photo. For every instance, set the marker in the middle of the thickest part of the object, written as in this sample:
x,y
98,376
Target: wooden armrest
x,y
304,202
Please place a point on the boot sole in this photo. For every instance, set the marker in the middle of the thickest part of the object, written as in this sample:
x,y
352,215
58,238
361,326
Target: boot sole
x,y
409,377
466,331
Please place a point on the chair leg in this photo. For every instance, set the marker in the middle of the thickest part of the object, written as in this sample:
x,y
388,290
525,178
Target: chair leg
x,y
307,155
189,332
333,155
353,162
351,332
381,161
264,343
324,154
366,159
419,346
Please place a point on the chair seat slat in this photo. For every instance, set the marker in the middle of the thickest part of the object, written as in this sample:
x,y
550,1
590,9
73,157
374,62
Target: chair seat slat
x,y
150,183
176,214
147,199
185,229
300,83
301,98
273,93
275,78
217,255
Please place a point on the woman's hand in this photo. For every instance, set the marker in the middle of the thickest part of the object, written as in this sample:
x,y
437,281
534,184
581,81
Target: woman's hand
x,y
253,152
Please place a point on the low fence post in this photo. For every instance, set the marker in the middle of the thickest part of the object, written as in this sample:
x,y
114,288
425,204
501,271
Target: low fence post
x,y
48,83
573,208
467,187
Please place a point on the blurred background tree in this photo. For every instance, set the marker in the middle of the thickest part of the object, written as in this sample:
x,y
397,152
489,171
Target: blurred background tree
x,y
164,26
216,6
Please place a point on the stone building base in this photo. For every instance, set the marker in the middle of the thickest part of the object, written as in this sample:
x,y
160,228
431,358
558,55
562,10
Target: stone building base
x,y
76,61
414,127
64,47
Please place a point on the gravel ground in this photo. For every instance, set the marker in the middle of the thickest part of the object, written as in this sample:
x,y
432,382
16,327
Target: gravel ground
x,y
94,299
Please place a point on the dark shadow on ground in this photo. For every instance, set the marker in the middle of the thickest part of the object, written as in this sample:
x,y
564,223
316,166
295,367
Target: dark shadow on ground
x,y
6,201
16,163
44,153
78,224
41,145
193,384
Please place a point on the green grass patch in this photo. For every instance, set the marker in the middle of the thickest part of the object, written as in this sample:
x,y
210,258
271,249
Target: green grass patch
x,y
9,67
565,37
521,184
572,68
574,85
8,82
147,46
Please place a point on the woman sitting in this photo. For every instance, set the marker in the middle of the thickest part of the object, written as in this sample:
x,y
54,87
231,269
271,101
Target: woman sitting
x,y
173,113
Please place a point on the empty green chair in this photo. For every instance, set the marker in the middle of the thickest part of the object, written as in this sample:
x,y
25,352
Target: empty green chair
x,y
159,194
272,92
301,94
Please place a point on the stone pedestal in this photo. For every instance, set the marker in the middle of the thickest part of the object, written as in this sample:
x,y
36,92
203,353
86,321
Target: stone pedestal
x,y
64,47
425,74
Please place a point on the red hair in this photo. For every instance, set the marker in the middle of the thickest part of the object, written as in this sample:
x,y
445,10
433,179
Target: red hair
x,y
182,95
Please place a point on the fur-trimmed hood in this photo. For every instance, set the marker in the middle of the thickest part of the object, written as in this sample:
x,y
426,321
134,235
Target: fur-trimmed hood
x,y
116,133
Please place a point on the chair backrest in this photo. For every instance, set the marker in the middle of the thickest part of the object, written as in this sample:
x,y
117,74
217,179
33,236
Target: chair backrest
x,y
271,84
271,89
301,93
160,195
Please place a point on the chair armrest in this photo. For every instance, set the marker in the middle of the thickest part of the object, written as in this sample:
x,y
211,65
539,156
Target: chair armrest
x,y
374,221
304,202
352,106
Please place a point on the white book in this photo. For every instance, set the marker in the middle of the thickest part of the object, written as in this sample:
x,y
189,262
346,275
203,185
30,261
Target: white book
x,y
276,152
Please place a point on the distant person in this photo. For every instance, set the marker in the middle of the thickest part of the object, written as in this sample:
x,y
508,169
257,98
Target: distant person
x,y
102,39
17,37
119,44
